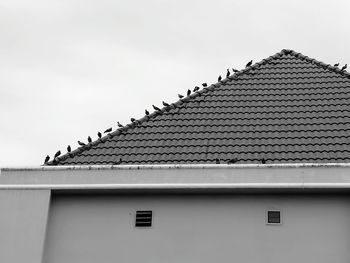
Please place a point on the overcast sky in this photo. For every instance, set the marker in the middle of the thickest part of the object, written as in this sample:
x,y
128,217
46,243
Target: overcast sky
x,y
71,68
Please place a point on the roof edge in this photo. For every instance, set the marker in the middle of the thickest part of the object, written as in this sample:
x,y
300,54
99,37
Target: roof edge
x,y
175,166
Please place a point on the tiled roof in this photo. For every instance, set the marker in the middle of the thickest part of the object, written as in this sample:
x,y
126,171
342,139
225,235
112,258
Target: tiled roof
x,y
287,108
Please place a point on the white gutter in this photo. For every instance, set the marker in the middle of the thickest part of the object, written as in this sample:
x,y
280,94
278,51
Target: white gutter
x,y
185,178
170,166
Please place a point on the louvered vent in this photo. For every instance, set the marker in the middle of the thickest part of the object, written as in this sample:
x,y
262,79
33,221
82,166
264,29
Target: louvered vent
x,y
143,219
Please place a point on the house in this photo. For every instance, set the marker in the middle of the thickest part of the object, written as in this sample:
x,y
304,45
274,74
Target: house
x,y
254,168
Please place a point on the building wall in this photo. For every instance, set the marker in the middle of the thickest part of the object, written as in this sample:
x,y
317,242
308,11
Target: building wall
x,y
198,228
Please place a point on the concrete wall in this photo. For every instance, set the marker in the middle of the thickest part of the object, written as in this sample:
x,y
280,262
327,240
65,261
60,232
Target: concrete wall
x,y
23,218
198,228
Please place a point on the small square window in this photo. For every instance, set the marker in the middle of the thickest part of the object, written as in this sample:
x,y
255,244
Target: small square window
x,y
143,219
274,217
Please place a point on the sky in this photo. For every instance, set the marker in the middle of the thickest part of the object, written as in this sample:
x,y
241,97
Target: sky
x,y
69,69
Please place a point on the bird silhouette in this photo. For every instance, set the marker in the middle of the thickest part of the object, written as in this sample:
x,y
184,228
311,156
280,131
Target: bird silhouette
x,y
336,65
234,160
263,160
47,158
89,139
204,84
235,70
147,112
132,119
196,88
156,108
120,125
57,154
249,63
180,96
108,130
219,78
188,92
99,135
165,104
343,68
228,73
81,143
217,161
69,149
118,162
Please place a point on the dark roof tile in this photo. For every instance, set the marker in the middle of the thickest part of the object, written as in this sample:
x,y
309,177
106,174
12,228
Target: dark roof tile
x,y
287,108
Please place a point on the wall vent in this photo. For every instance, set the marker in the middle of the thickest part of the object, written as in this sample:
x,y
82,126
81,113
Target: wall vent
x,y
274,217
143,219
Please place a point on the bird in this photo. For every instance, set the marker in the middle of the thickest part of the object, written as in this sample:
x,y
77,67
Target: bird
x,y
89,139
336,65
120,125
343,68
249,63
81,143
146,112
108,130
234,160
165,104
228,73
204,84
47,158
188,92
180,96
99,135
132,119
196,88
263,160
219,78
69,149
235,70
156,108
217,161
57,154
118,162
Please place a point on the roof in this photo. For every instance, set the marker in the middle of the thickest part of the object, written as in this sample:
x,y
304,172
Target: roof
x,y
287,108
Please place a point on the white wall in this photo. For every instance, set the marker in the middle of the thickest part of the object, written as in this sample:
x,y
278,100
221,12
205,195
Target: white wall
x,y
23,218
198,228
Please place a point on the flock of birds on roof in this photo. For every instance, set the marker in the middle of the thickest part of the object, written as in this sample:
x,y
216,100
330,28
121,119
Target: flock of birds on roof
x,y
133,120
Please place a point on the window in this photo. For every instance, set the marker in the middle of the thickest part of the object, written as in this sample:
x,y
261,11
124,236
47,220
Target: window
x,y
274,217
143,219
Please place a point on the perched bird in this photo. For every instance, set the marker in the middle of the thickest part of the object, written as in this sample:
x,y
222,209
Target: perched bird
x,y
69,149
47,159
57,154
99,135
217,161
343,68
196,88
188,92
119,125
204,84
165,104
263,160
89,139
235,70
147,112
219,78
81,143
228,73
156,108
234,160
133,119
108,130
180,96
118,162
249,63
336,65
